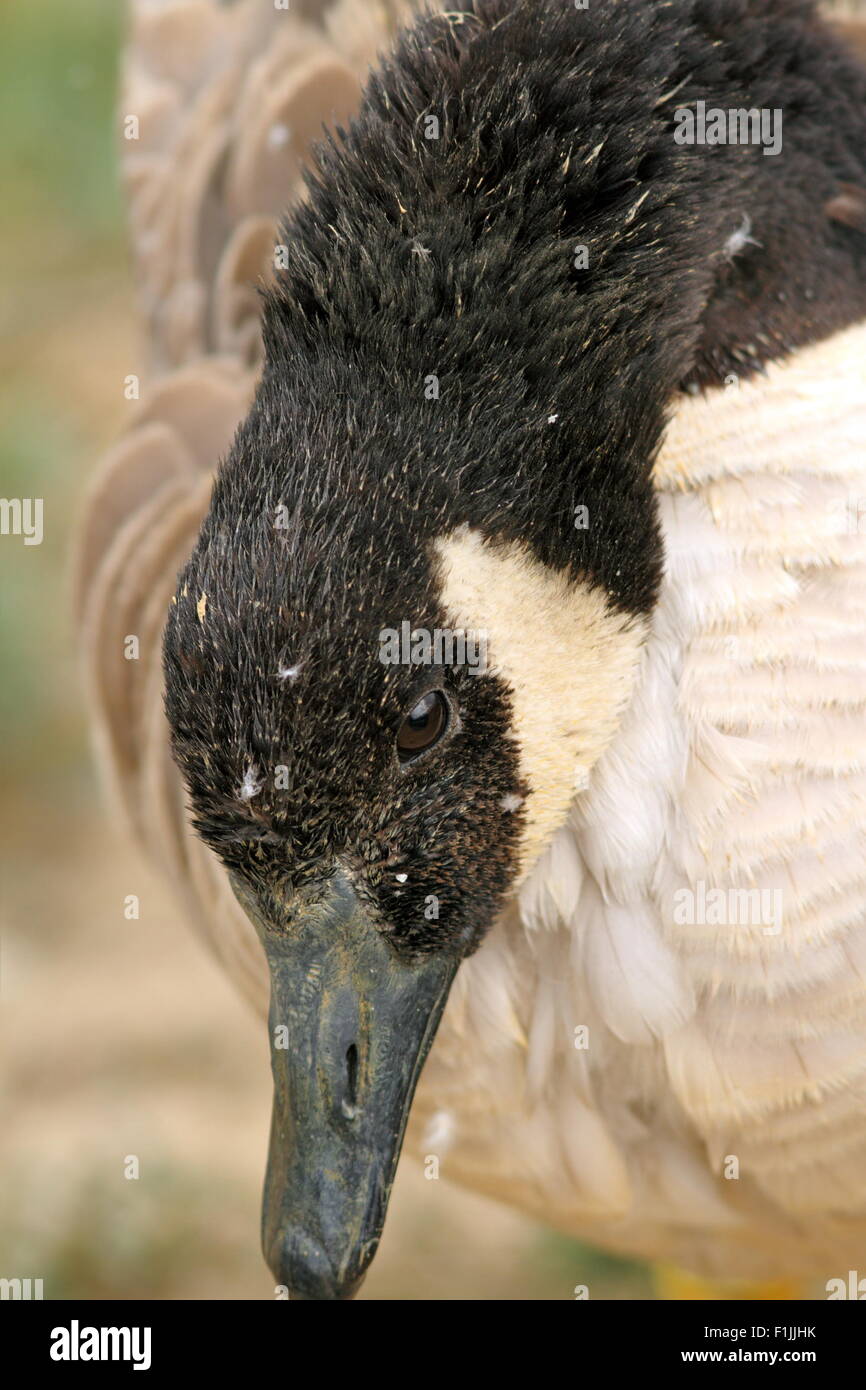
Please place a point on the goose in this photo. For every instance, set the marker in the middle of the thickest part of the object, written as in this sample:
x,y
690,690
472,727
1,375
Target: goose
x,y
504,726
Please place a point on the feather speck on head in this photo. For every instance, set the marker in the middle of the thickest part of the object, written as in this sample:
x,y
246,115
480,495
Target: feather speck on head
x,y
252,783
740,239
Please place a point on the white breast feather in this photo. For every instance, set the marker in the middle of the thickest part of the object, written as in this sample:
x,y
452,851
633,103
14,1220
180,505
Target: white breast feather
x,y
740,762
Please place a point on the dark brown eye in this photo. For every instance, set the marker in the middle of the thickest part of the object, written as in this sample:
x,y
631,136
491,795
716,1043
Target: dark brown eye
x,y
423,726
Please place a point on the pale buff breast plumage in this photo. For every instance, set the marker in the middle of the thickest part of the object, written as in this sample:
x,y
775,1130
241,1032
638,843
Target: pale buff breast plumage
x,y
712,1049
716,1114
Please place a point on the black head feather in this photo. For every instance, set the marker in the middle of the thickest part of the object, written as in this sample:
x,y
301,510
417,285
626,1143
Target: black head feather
x,y
454,258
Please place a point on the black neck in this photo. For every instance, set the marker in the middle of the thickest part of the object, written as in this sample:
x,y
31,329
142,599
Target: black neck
x,y
457,257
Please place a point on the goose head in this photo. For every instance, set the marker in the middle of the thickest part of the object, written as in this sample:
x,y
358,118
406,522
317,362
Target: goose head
x,y
382,706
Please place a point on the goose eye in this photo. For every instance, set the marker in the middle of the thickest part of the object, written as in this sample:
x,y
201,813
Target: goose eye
x,y
423,726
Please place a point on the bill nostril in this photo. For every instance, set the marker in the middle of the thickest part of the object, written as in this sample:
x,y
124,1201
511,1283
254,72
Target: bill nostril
x,y
350,1100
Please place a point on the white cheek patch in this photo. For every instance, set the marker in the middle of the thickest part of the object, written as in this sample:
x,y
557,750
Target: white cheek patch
x,y
567,655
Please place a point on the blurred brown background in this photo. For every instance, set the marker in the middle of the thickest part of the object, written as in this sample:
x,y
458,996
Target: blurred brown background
x,y
122,1037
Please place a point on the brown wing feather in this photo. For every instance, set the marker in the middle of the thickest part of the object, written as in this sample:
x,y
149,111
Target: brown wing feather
x,y
223,102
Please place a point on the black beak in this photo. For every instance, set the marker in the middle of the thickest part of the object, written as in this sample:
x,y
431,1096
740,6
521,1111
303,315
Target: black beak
x,y
351,1025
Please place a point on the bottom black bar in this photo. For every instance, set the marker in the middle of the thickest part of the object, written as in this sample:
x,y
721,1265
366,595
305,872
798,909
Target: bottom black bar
x,y
73,1339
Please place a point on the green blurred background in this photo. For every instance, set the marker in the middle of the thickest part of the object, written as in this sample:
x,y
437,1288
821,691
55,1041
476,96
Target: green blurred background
x,y
122,1037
